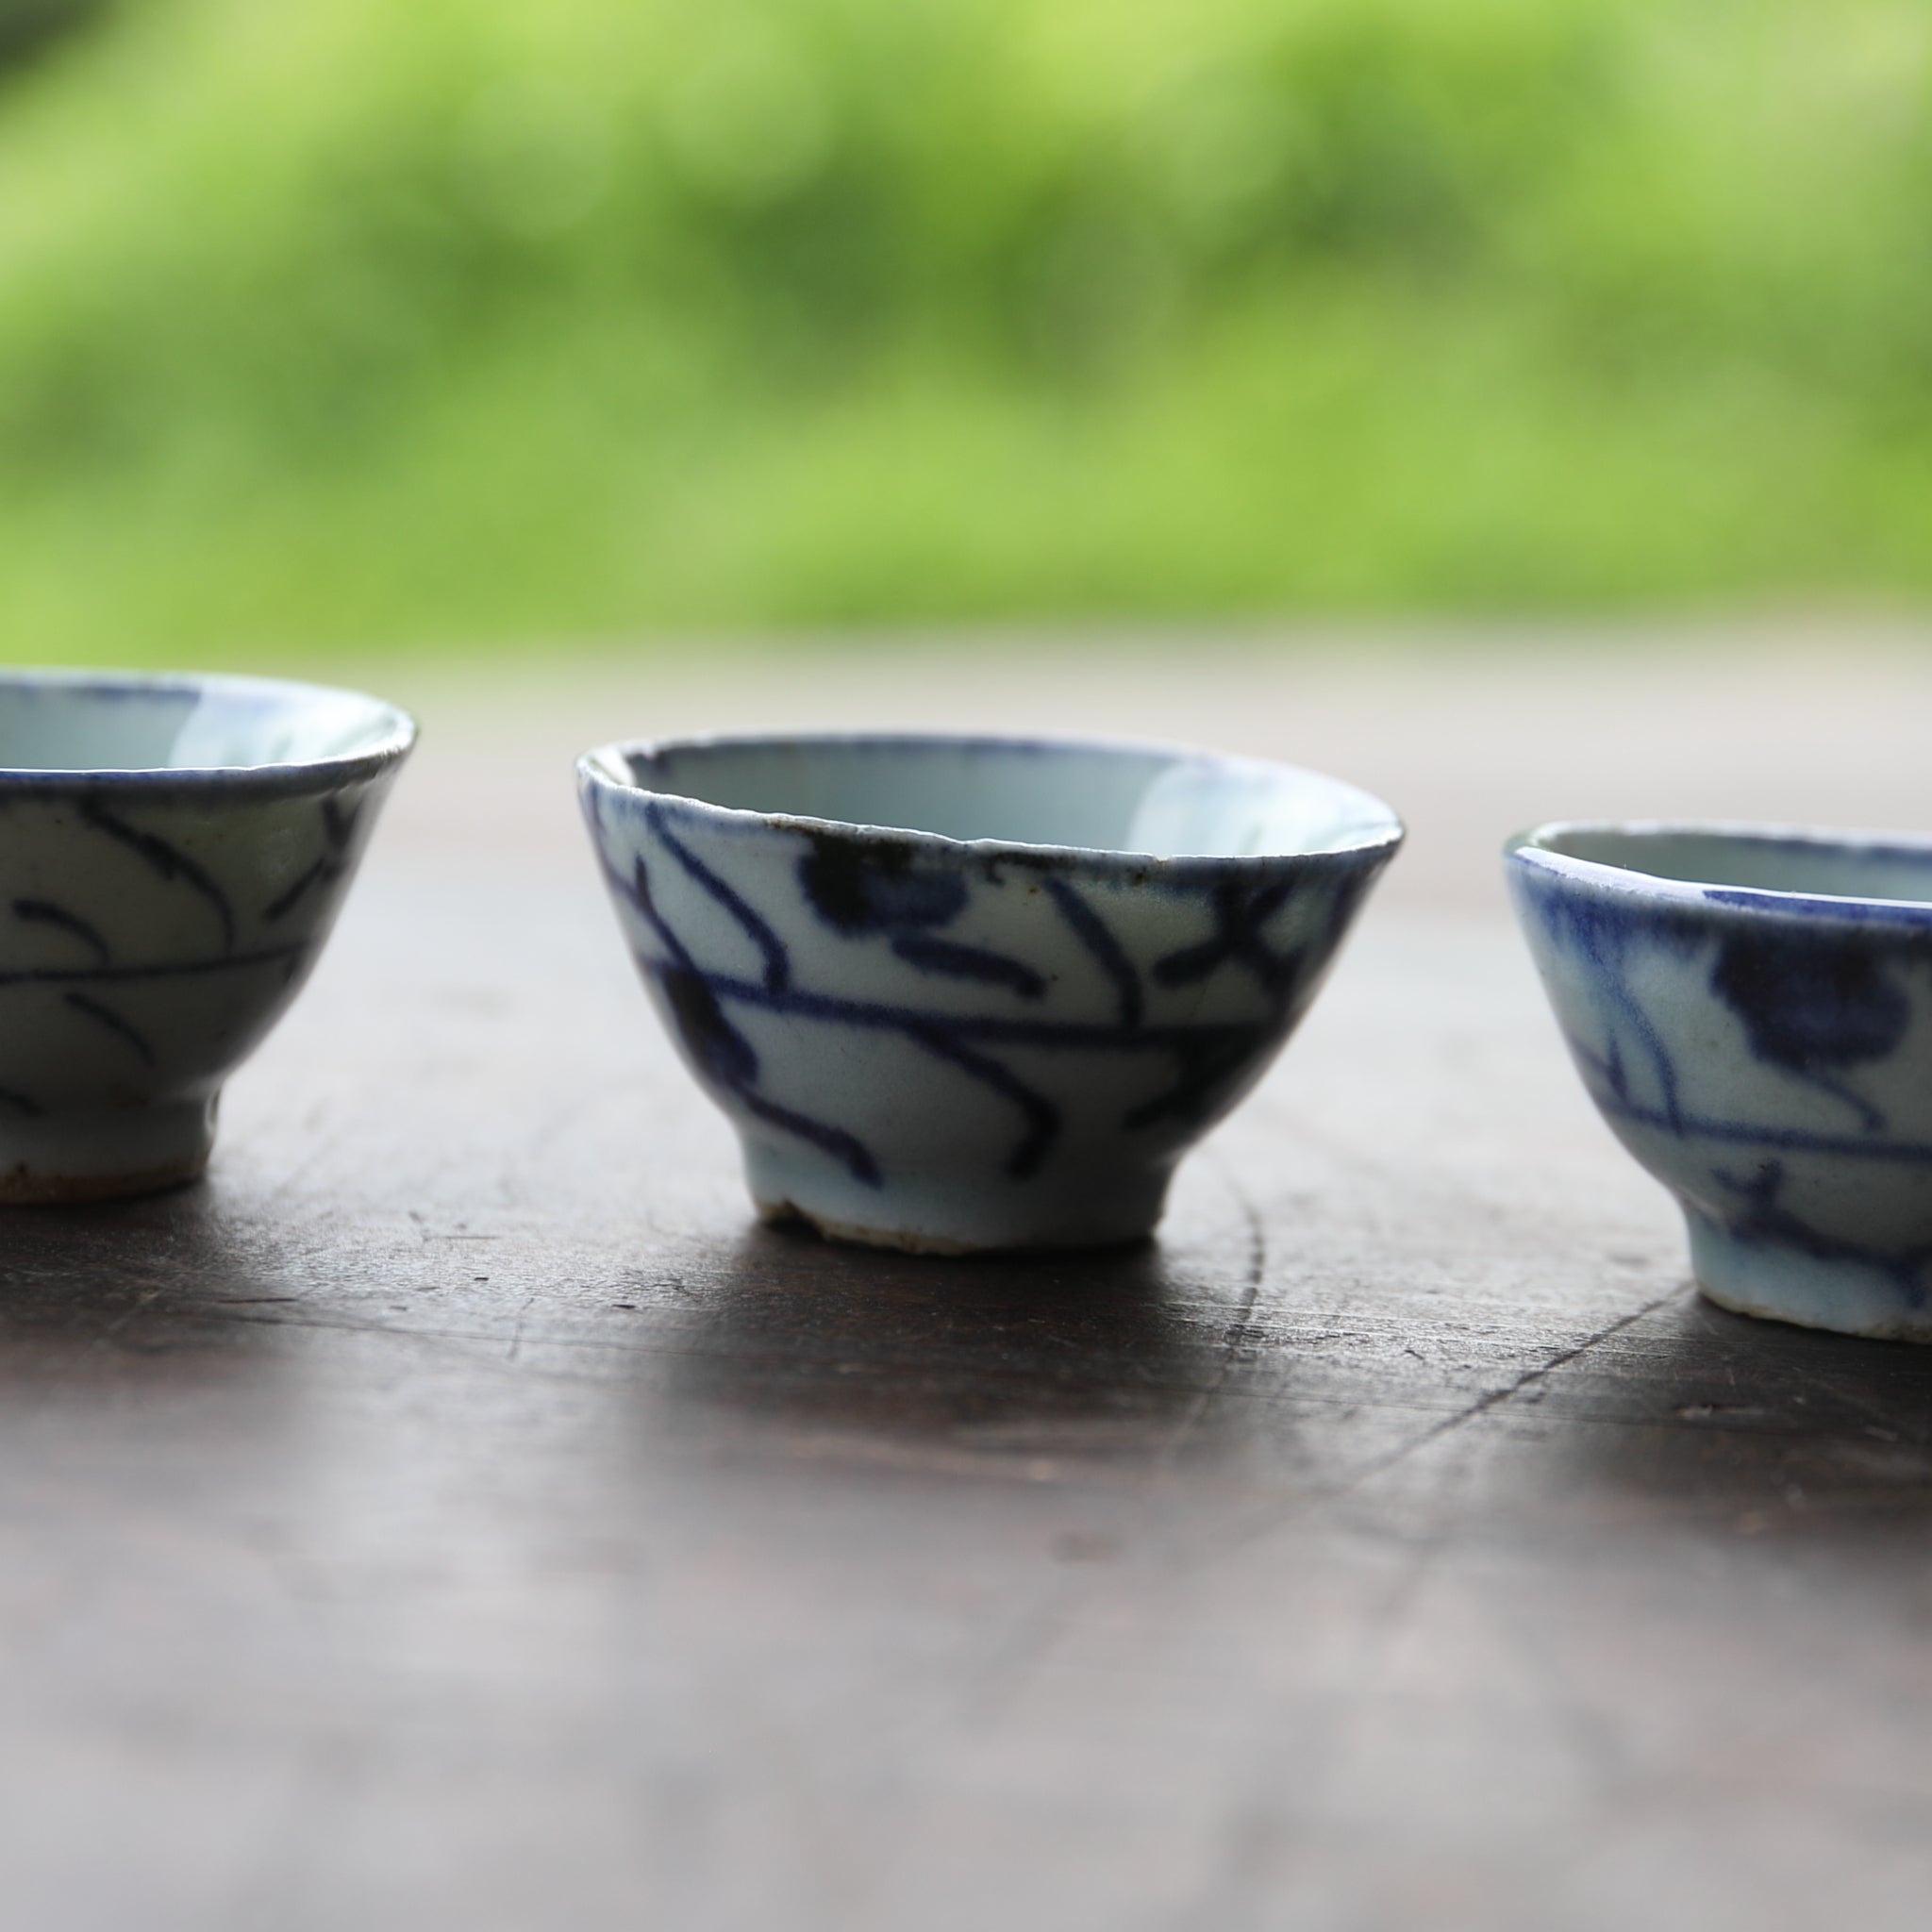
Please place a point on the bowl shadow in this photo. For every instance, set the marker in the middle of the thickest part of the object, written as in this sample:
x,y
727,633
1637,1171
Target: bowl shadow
x,y
1758,1423
1103,1352
156,1288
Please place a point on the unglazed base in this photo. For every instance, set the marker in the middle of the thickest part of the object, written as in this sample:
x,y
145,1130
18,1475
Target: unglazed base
x,y
1783,1284
936,1215
108,1156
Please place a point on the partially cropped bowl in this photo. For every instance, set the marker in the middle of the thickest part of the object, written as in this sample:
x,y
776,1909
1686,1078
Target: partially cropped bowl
x,y
962,994
172,853
1751,1009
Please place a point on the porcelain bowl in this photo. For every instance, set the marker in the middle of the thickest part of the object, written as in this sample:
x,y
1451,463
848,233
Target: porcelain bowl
x,y
1751,1009
172,853
962,993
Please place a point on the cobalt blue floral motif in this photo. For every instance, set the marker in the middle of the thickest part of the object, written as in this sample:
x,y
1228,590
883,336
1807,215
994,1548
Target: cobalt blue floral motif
x,y
1816,1006
1815,1003
872,887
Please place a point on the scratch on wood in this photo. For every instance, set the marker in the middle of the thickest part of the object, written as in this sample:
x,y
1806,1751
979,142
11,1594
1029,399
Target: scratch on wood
x,y
1237,1329
1495,1398
516,1339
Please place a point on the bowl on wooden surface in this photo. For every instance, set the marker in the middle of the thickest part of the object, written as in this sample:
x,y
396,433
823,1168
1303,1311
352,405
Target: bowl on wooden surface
x,y
172,853
1750,1010
976,992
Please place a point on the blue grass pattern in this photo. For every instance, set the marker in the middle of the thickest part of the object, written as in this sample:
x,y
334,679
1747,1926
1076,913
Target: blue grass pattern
x,y
1094,934
757,928
44,912
339,818
871,889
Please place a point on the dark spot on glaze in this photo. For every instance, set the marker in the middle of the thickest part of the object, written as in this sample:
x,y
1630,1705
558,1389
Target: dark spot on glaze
x,y
873,885
1810,1001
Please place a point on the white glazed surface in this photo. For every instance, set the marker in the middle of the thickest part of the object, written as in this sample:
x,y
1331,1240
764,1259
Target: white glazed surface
x,y
1750,1010
967,993
173,853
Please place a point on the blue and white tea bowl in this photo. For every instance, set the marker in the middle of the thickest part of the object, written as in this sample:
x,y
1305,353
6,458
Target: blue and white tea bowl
x,y
1751,1009
172,853
962,994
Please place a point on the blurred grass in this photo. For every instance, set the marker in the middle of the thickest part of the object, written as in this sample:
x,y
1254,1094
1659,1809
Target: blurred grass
x,y
339,324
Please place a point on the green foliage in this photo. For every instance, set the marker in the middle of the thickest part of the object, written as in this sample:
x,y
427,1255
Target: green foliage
x,y
28,26
336,320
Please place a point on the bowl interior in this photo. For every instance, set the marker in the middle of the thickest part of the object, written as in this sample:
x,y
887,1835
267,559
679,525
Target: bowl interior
x,y
1164,803
1814,866
90,723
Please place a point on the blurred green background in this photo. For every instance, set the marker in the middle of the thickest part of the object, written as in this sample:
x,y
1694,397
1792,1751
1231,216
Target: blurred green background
x,y
339,324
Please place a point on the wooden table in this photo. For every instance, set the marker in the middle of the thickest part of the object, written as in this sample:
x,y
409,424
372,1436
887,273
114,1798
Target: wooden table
x,y
456,1513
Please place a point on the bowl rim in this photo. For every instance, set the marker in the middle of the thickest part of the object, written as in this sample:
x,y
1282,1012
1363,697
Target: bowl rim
x,y
1526,849
1378,841
397,734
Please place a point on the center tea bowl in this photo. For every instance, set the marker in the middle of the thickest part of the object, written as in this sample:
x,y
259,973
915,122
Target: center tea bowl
x,y
959,993
172,853
1751,1009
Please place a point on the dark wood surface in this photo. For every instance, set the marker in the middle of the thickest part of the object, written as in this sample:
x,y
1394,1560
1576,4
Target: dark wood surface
x,y
455,1512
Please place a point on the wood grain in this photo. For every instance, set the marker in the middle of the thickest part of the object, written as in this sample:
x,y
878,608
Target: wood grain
x,y
455,1512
